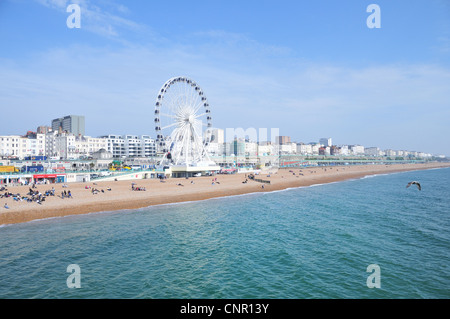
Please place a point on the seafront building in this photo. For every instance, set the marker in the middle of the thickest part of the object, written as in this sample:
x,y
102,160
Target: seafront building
x,y
326,142
266,148
130,146
282,140
17,146
74,124
373,151
70,146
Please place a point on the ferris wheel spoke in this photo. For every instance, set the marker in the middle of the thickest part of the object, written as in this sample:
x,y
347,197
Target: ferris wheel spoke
x,y
170,125
200,115
196,107
167,115
172,105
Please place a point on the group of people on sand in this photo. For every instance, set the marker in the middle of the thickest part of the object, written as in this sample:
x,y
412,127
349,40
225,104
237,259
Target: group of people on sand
x,y
179,184
95,191
137,188
32,196
246,181
65,194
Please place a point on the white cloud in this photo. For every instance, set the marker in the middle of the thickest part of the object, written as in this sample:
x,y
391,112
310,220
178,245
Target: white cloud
x,y
106,21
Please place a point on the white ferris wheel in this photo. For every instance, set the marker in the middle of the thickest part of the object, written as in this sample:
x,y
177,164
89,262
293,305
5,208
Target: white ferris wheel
x,y
182,122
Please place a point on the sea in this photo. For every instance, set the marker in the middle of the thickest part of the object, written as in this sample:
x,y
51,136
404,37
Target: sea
x,y
357,239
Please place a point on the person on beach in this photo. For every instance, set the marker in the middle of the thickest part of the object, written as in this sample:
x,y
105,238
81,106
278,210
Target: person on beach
x,y
6,206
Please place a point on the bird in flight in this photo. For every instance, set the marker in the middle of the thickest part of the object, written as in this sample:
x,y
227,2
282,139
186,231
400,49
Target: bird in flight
x,y
414,183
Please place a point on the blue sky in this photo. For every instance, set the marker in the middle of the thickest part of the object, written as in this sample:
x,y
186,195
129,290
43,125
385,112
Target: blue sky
x,y
310,68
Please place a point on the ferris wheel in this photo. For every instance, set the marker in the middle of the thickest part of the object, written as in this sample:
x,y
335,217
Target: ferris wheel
x,y
182,122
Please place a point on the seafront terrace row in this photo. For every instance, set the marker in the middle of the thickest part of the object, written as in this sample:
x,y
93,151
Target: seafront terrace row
x,y
295,160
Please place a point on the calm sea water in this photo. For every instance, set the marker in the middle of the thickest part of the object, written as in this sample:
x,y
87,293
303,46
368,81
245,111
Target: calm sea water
x,y
312,242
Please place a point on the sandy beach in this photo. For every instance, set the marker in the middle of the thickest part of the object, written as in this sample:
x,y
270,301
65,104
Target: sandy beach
x,y
121,196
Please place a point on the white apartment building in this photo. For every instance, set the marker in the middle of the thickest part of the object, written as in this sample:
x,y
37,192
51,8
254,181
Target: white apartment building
x,y
50,144
69,146
304,149
35,146
86,145
288,148
64,146
372,151
357,149
315,148
216,149
12,145
390,152
22,146
344,150
122,146
139,146
424,155
251,148
115,145
266,148
132,146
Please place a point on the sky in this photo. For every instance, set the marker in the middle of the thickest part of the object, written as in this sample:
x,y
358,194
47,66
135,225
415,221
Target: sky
x,y
311,69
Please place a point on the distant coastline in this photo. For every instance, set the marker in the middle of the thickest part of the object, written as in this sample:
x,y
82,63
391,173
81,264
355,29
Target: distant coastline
x,y
122,197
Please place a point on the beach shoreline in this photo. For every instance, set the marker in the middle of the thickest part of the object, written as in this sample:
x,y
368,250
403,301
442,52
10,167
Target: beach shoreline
x,y
118,195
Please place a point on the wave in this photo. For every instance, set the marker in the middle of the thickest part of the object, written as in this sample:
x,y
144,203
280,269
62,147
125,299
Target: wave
x,y
375,175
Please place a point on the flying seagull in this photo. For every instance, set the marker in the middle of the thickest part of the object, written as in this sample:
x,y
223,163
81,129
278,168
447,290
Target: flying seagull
x,y
414,183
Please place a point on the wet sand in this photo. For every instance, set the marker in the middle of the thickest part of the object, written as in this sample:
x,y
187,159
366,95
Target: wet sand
x,y
121,196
